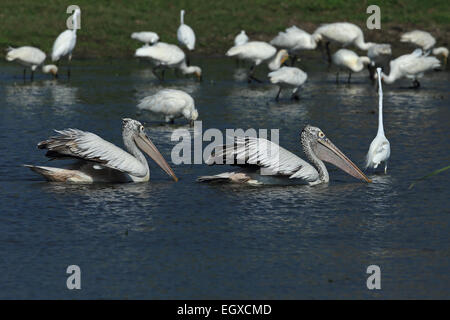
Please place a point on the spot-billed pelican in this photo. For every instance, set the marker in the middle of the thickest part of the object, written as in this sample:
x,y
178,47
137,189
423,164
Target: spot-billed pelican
x,y
377,54
349,60
258,52
288,77
263,161
50,69
65,42
147,37
27,56
241,38
380,148
412,66
172,104
164,55
342,33
294,40
99,160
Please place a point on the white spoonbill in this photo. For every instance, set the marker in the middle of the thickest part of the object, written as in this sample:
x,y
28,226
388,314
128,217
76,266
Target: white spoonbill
x,y
380,148
441,51
378,54
164,55
99,160
425,41
342,33
26,56
147,37
172,104
50,69
65,42
264,162
241,38
350,61
412,66
288,77
258,52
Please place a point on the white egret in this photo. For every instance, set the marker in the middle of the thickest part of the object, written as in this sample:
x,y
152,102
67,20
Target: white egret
x,y
99,160
241,38
288,77
186,35
350,61
380,148
147,37
65,42
26,56
172,104
264,162
258,52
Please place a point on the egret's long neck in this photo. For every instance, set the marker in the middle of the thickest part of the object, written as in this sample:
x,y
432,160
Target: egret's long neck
x,y
182,17
75,22
380,107
132,148
320,166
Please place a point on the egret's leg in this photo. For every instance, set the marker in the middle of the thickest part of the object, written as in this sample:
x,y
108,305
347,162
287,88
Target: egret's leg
x,y
32,75
69,58
24,73
385,167
349,76
278,95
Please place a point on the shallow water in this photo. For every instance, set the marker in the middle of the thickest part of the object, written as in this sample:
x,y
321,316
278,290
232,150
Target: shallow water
x,y
187,240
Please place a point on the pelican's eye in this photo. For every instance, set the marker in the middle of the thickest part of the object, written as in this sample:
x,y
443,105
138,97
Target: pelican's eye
x,y
141,128
321,134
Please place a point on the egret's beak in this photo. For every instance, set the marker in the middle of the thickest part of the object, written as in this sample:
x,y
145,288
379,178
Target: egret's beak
x,y
327,151
146,145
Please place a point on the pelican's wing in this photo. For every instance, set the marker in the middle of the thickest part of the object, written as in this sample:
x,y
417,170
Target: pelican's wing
x,y
82,145
248,151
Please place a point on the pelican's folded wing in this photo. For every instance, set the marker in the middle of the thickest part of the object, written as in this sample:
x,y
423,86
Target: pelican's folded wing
x,y
248,151
82,145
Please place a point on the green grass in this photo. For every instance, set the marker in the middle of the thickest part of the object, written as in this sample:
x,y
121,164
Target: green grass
x,y
106,25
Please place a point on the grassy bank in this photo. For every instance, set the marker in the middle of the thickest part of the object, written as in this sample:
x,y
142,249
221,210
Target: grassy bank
x,y
106,25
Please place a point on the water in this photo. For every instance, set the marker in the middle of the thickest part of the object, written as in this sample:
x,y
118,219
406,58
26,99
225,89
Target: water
x,y
166,240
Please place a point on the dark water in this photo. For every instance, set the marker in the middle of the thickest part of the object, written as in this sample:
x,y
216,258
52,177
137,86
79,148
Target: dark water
x,y
163,239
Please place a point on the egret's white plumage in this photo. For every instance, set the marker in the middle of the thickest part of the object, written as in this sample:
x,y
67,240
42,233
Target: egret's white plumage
x,y
380,148
26,56
288,77
172,104
146,37
241,38
419,38
349,60
100,160
185,34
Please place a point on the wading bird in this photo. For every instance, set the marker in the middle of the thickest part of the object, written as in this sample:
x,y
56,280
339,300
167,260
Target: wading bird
x,y
172,104
412,66
65,43
26,56
347,59
258,52
378,54
264,162
288,77
147,37
164,55
50,69
99,160
185,35
420,39
380,148
441,51
241,39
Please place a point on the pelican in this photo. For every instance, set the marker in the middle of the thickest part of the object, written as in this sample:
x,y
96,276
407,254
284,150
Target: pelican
x,y
342,33
263,161
99,160
349,60
288,77
412,66
164,55
26,56
258,52
171,103
377,55
380,148
65,42
147,37
294,40
241,38
50,69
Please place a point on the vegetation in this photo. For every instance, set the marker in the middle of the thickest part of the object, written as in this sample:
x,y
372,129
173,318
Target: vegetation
x,y
106,25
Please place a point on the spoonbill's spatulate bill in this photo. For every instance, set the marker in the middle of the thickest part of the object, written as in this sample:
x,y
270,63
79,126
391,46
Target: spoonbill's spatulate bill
x,y
281,166
380,148
26,56
99,160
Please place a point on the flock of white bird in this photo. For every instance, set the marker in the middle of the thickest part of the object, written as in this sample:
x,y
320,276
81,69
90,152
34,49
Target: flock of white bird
x,y
99,160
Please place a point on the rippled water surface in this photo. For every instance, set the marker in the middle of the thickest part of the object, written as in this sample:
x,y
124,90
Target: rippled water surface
x,y
163,239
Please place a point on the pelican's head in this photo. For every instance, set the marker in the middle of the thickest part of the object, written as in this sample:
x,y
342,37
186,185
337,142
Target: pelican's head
x,y
133,130
50,68
314,139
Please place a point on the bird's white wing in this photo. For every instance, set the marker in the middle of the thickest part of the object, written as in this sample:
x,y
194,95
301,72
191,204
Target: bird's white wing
x,y
254,50
74,143
290,75
63,44
186,36
163,53
263,153
379,150
167,101
417,65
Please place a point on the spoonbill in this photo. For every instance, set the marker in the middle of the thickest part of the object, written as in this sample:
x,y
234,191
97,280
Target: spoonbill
x,y
164,55
349,60
288,77
65,42
99,160
185,35
147,37
426,42
172,104
441,51
380,148
258,52
241,38
378,53
50,69
26,56
264,162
